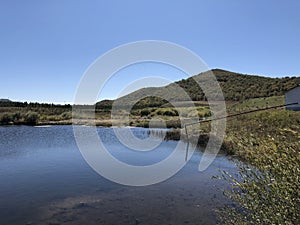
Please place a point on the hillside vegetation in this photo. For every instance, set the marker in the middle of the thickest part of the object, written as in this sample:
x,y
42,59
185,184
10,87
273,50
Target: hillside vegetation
x,y
235,87
238,87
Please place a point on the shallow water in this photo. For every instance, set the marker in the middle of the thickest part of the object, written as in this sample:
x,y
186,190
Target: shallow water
x,y
45,180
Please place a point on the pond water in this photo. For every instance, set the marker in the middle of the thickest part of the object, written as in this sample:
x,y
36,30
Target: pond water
x,y
45,180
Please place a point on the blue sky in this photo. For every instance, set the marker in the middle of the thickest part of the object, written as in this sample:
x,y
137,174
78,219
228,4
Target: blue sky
x,y
46,46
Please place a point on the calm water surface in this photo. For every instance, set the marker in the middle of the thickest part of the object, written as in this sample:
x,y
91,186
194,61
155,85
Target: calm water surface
x,y
45,180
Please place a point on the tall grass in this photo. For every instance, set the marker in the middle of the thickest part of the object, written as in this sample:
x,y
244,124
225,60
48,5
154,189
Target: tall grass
x,y
266,189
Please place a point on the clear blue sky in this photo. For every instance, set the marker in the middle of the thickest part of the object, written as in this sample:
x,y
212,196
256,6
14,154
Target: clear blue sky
x,y
45,46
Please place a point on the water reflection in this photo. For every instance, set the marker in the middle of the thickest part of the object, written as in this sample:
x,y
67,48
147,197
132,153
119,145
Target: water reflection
x,y
44,180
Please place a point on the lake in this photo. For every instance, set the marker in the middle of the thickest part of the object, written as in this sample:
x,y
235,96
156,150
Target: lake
x,y
45,180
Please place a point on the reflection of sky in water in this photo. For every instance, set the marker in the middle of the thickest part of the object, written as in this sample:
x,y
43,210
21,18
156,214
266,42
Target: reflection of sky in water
x,y
41,165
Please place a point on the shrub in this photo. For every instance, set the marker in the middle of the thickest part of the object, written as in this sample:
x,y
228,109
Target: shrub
x,y
66,115
31,118
166,112
5,119
145,112
16,117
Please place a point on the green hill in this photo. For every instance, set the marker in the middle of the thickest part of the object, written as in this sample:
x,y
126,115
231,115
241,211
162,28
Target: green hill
x,y
235,87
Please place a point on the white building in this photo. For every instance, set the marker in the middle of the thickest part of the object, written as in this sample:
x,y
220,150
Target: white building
x,y
293,96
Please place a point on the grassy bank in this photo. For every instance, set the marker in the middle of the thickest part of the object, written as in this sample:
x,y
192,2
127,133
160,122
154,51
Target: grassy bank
x,y
266,189
34,115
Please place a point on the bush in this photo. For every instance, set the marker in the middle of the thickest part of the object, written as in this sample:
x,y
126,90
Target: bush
x,y
31,118
66,115
16,117
166,112
5,119
145,112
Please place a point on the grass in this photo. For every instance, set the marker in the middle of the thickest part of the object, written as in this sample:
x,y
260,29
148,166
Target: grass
x,y
255,103
34,115
266,189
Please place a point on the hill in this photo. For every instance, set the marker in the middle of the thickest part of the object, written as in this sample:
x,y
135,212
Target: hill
x,y
235,87
4,100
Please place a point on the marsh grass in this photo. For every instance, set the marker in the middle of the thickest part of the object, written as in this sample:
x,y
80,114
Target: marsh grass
x,y
266,189
267,144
